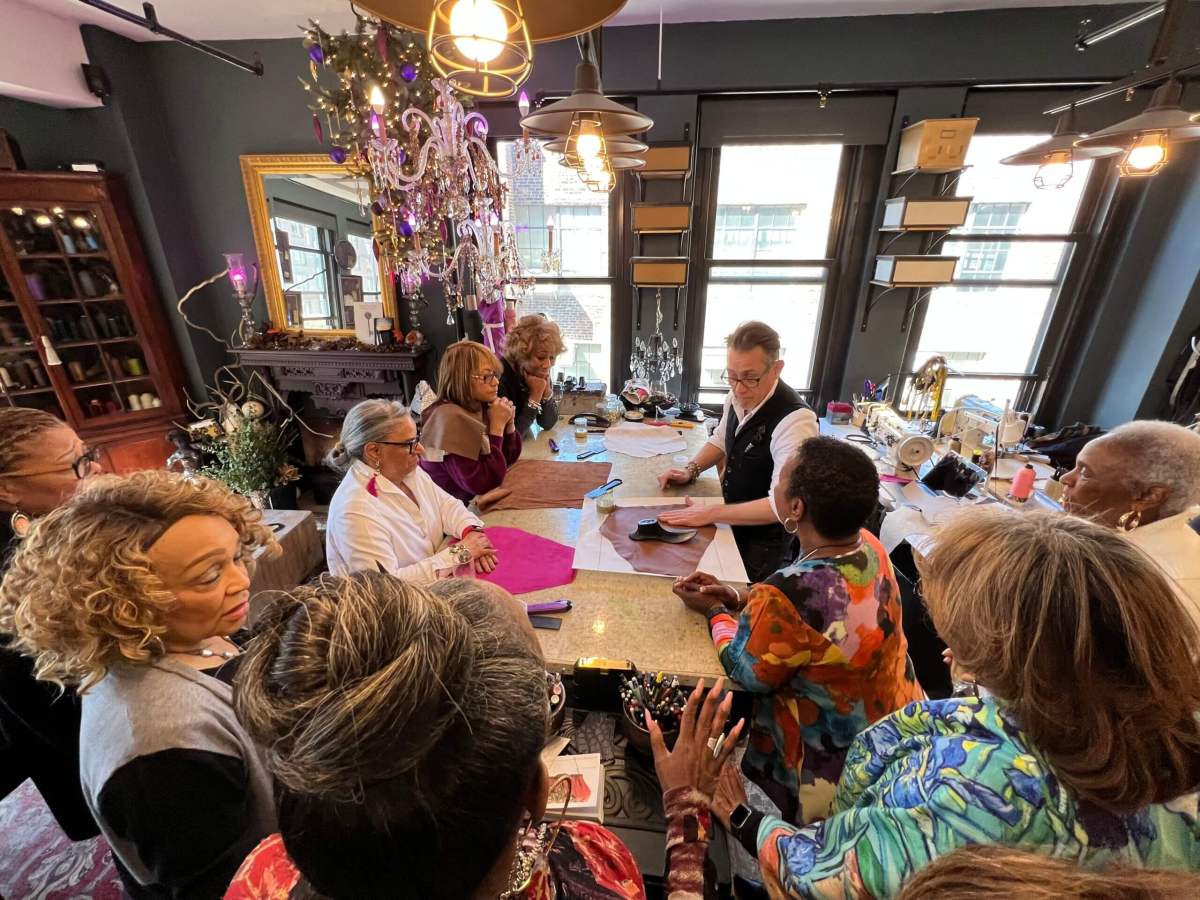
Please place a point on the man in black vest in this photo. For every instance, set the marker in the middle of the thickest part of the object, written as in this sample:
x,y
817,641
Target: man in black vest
x,y
763,423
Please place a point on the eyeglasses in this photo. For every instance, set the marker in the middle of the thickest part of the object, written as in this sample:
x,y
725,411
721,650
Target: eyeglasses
x,y
82,466
411,445
489,378
751,382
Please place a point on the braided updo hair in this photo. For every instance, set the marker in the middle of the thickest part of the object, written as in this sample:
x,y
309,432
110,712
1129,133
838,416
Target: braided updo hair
x,y
19,426
403,725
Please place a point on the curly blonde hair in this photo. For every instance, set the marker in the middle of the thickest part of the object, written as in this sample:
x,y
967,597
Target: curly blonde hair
x,y
531,334
81,595
1083,637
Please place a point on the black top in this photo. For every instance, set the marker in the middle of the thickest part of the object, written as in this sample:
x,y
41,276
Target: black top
x,y
203,797
749,468
39,729
512,385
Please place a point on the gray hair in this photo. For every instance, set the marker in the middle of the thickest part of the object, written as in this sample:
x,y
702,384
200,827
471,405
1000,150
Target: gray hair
x,y
371,420
1161,453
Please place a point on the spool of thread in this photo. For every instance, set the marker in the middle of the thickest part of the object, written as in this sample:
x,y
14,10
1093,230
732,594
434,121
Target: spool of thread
x,y
134,401
7,334
95,407
1022,484
6,377
75,368
148,400
134,366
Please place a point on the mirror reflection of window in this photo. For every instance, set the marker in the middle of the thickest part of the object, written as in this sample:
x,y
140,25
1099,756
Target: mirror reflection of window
x,y
309,249
365,263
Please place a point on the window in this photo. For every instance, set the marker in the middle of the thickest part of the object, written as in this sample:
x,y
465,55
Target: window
x,y
1014,252
774,207
310,249
365,264
562,233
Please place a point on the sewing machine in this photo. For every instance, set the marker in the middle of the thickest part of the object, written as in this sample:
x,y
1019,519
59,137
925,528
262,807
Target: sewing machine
x,y
906,450
973,422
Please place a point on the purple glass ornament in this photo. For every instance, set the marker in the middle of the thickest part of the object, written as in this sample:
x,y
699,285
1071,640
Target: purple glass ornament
x,y
401,155
316,54
338,155
408,72
406,227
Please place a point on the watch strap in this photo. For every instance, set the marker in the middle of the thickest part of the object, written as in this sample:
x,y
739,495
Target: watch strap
x,y
747,832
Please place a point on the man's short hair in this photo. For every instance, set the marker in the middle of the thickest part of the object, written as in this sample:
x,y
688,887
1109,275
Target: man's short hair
x,y
749,335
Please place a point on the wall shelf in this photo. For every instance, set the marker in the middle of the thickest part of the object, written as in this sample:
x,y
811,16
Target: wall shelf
x,y
661,218
667,161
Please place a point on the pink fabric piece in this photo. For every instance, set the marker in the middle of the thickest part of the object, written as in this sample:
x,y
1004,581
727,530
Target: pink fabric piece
x,y
528,562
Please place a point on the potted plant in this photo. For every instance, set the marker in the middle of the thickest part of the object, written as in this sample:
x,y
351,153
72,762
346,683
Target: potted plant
x,y
250,458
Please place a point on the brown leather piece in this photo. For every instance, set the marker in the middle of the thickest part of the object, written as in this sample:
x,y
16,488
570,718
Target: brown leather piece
x,y
545,484
654,557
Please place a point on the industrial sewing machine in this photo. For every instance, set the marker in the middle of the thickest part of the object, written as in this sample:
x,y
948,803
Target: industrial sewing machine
x,y
904,448
980,425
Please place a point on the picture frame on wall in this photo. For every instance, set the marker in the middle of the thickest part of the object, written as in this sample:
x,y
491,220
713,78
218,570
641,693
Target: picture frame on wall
x,y
350,289
294,305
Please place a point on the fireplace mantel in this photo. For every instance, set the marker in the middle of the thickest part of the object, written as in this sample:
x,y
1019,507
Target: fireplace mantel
x,y
338,379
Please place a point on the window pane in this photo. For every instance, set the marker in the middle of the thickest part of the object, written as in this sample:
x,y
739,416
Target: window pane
x,y
366,265
766,273
584,315
792,310
308,276
552,200
775,201
984,329
995,390
1008,260
1006,201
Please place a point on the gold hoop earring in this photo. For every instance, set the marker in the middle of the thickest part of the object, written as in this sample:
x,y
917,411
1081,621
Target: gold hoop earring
x,y
795,525
20,523
1130,520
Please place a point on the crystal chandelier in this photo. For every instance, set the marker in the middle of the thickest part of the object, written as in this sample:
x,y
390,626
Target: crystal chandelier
x,y
655,362
527,153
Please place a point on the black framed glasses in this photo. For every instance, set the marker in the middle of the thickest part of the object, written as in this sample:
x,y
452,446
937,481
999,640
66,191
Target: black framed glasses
x,y
489,378
411,445
82,466
733,380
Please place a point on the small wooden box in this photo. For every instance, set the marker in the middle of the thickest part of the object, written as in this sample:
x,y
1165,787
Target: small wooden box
x,y
925,213
669,271
935,145
914,271
661,218
667,161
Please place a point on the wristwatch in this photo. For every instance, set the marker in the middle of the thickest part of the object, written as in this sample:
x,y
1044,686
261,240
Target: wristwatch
x,y
461,554
738,819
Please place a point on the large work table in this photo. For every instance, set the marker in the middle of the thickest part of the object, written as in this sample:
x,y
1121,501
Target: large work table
x,y
619,616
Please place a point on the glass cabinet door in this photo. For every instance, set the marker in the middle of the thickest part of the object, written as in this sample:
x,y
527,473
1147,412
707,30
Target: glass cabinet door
x,y
71,284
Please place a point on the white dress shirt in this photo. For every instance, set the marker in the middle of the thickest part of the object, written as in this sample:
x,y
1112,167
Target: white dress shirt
x,y
391,531
1173,544
793,430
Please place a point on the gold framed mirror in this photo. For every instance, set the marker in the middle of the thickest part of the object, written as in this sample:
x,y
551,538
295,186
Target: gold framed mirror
x,y
314,245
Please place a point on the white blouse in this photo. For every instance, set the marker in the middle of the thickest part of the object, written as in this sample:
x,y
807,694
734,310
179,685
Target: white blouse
x,y
406,539
1175,546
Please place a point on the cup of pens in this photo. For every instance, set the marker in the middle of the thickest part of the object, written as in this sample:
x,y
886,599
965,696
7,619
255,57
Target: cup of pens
x,y
659,693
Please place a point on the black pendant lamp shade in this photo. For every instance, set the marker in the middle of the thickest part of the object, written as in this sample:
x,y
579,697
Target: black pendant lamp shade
x,y
1163,115
586,101
1066,133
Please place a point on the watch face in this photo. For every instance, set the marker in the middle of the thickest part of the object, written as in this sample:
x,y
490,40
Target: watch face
x,y
740,814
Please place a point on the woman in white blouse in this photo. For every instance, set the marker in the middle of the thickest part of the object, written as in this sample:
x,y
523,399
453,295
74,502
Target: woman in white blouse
x,y
387,514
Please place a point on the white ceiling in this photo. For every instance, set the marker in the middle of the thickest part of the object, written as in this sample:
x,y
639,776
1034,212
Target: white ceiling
x,y
229,19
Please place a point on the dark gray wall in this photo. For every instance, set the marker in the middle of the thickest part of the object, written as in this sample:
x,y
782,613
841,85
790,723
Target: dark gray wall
x,y
178,121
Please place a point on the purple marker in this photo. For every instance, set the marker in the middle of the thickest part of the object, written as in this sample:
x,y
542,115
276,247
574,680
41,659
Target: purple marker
x,y
553,445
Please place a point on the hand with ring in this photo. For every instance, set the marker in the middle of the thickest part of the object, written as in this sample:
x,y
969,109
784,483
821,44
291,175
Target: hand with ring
x,y
702,747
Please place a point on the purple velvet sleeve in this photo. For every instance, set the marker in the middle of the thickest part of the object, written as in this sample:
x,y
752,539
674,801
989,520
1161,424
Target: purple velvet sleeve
x,y
478,476
512,447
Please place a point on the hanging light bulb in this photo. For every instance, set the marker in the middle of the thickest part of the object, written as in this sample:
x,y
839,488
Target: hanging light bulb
x,y
1056,170
589,144
1147,155
523,104
377,99
584,142
479,29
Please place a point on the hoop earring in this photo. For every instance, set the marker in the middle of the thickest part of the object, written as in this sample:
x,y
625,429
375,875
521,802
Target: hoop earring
x,y
795,525
1130,520
20,523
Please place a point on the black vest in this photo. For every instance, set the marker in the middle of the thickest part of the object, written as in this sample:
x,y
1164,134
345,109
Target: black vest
x,y
748,470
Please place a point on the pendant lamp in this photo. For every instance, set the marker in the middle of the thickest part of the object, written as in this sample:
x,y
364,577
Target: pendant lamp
x,y
484,47
1056,157
1146,138
587,103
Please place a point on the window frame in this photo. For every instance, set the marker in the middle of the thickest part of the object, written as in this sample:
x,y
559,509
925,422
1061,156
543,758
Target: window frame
x,y
1064,302
702,262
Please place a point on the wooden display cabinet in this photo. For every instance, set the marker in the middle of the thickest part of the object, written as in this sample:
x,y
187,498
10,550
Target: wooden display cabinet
x,y
82,332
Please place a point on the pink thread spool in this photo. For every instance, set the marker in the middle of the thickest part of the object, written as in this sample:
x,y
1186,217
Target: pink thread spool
x,y
1022,484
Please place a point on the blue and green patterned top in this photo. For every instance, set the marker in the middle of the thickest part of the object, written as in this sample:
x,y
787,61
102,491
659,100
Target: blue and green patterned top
x,y
943,774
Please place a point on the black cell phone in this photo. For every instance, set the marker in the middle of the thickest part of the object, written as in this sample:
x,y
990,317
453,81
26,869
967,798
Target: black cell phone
x,y
550,623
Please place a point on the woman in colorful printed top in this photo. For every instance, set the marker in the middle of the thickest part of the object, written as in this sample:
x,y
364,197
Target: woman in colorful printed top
x,y
821,639
404,727
1083,745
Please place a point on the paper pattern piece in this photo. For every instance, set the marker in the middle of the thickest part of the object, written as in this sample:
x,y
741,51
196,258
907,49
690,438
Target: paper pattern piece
x,y
586,774
642,440
654,557
528,562
596,552
545,484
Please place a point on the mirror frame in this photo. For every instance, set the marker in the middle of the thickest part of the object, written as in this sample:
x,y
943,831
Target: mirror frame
x,y
254,168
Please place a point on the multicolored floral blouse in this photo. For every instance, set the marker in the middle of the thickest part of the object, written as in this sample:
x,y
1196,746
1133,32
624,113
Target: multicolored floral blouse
x,y
587,861
822,639
943,774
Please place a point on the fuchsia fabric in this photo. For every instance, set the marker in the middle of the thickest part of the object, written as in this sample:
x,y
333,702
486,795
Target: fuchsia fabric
x,y
529,562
